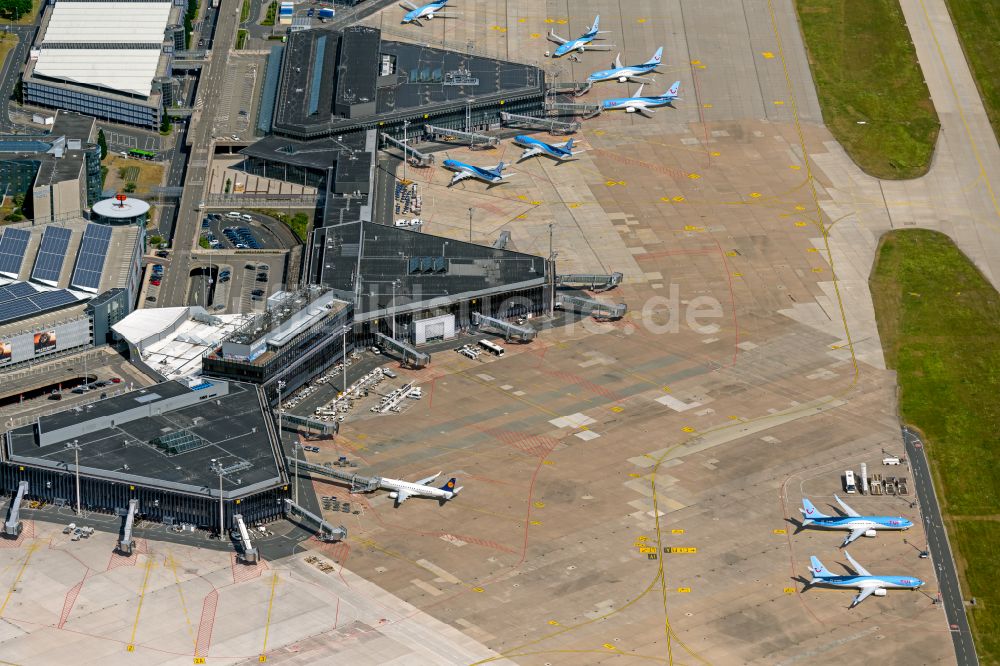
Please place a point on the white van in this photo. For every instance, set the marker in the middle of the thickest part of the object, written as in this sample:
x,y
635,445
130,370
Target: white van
x,y
892,460
246,217
233,214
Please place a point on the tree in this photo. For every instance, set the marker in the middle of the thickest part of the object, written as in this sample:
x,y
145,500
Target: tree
x,y
229,185
103,143
15,9
18,94
165,124
129,188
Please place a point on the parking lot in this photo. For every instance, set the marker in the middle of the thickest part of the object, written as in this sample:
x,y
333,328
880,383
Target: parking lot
x,y
224,231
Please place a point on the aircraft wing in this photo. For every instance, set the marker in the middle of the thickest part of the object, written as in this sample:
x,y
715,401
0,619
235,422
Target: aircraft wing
x,y
459,177
852,536
645,111
618,62
598,47
553,37
865,592
857,567
848,510
641,79
406,4
531,152
402,496
424,482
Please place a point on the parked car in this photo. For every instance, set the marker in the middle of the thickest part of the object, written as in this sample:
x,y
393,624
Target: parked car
x,y
116,380
151,299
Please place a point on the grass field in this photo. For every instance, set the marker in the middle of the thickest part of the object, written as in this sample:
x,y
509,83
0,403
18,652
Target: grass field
x,y
939,320
245,11
866,71
241,38
978,26
7,43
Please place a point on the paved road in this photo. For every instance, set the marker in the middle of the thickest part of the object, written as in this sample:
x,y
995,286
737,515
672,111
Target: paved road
x,y
197,146
937,539
10,73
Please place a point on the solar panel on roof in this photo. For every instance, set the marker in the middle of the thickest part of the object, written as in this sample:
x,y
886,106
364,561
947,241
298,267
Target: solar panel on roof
x,y
15,290
12,247
51,254
90,260
34,303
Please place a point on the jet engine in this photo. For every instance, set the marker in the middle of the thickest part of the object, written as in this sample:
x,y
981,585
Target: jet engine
x,y
622,79
880,592
629,109
393,495
870,533
429,16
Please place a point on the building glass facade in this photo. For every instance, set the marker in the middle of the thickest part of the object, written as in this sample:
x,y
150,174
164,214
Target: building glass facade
x,y
92,104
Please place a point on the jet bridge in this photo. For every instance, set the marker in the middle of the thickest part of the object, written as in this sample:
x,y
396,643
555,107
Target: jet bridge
x,y
509,330
325,531
596,282
416,157
574,87
407,353
529,122
12,528
247,554
474,139
572,109
358,483
126,543
501,243
591,306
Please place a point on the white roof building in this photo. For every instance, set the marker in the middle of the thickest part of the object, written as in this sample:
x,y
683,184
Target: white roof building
x,y
173,340
120,44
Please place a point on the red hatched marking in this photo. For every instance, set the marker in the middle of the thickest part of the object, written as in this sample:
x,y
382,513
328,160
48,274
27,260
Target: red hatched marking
x,y
485,543
70,600
533,445
206,623
338,552
571,378
118,560
244,572
27,532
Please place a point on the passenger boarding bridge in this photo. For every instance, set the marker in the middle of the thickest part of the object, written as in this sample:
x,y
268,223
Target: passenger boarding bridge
x,y
325,531
126,544
12,528
247,553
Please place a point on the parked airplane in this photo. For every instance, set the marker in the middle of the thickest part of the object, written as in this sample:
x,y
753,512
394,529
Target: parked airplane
x,y
427,11
491,175
623,73
532,146
643,105
858,525
581,43
862,580
403,490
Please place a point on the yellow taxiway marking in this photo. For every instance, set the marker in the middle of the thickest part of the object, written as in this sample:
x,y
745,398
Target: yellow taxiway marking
x,y
142,596
267,624
24,565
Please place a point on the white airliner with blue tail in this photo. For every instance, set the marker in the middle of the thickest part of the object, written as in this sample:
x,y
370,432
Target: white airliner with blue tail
x,y
491,175
582,43
643,104
857,524
862,580
623,73
533,147
423,12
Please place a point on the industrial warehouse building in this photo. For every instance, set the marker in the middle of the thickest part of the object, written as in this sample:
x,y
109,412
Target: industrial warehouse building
x,y
110,60
169,446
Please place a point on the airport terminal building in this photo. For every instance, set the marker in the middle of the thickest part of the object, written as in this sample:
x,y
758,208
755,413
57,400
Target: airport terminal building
x,y
338,83
169,446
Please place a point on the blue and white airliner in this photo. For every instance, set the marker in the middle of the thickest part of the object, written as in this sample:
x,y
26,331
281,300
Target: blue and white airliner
x,y
623,73
857,524
403,490
491,175
643,104
862,580
533,146
428,11
581,43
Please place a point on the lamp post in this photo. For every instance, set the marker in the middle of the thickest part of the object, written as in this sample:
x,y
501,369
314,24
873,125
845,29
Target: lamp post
x,y
395,283
75,445
343,351
406,123
217,468
470,225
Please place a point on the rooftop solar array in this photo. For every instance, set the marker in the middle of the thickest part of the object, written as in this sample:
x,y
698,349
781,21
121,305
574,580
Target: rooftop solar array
x,y
13,244
15,290
90,260
51,254
35,303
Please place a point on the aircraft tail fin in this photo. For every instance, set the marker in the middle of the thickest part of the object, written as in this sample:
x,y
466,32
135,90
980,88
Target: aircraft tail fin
x,y
655,60
817,569
499,168
450,486
810,512
638,93
569,145
597,25
674,89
